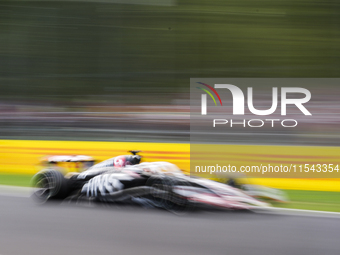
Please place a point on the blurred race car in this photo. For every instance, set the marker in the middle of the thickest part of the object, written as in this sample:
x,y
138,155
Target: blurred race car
x,y
125,180
68,163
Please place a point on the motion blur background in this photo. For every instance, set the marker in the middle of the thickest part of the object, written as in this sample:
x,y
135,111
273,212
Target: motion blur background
x,y
114,70
100,77
103,70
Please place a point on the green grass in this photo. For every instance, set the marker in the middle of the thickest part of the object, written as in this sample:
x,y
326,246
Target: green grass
x,y
15,180
312,200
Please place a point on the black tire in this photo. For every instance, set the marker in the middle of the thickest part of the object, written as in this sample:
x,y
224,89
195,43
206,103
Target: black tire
x,y
233,183
164,196
49,185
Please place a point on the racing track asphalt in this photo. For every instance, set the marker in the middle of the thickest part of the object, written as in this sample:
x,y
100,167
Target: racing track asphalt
x,y
29,229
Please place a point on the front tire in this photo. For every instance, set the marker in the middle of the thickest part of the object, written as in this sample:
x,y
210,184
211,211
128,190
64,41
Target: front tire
x,y
164,196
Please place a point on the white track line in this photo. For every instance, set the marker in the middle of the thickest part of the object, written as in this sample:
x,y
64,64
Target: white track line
x,y
14,191
299,212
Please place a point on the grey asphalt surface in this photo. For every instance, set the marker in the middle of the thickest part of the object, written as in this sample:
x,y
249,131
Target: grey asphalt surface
x,y
27,228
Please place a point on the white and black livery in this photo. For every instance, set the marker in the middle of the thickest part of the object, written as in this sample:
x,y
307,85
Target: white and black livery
x,y
124,180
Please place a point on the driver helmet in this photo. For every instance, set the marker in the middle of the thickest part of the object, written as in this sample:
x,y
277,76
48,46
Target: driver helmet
x,y
135,159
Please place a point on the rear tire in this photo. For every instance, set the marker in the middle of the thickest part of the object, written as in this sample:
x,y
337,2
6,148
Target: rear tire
x,y
49,185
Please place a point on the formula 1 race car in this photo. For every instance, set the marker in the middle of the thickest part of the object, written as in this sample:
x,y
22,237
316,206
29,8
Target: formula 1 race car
x,y
124,180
